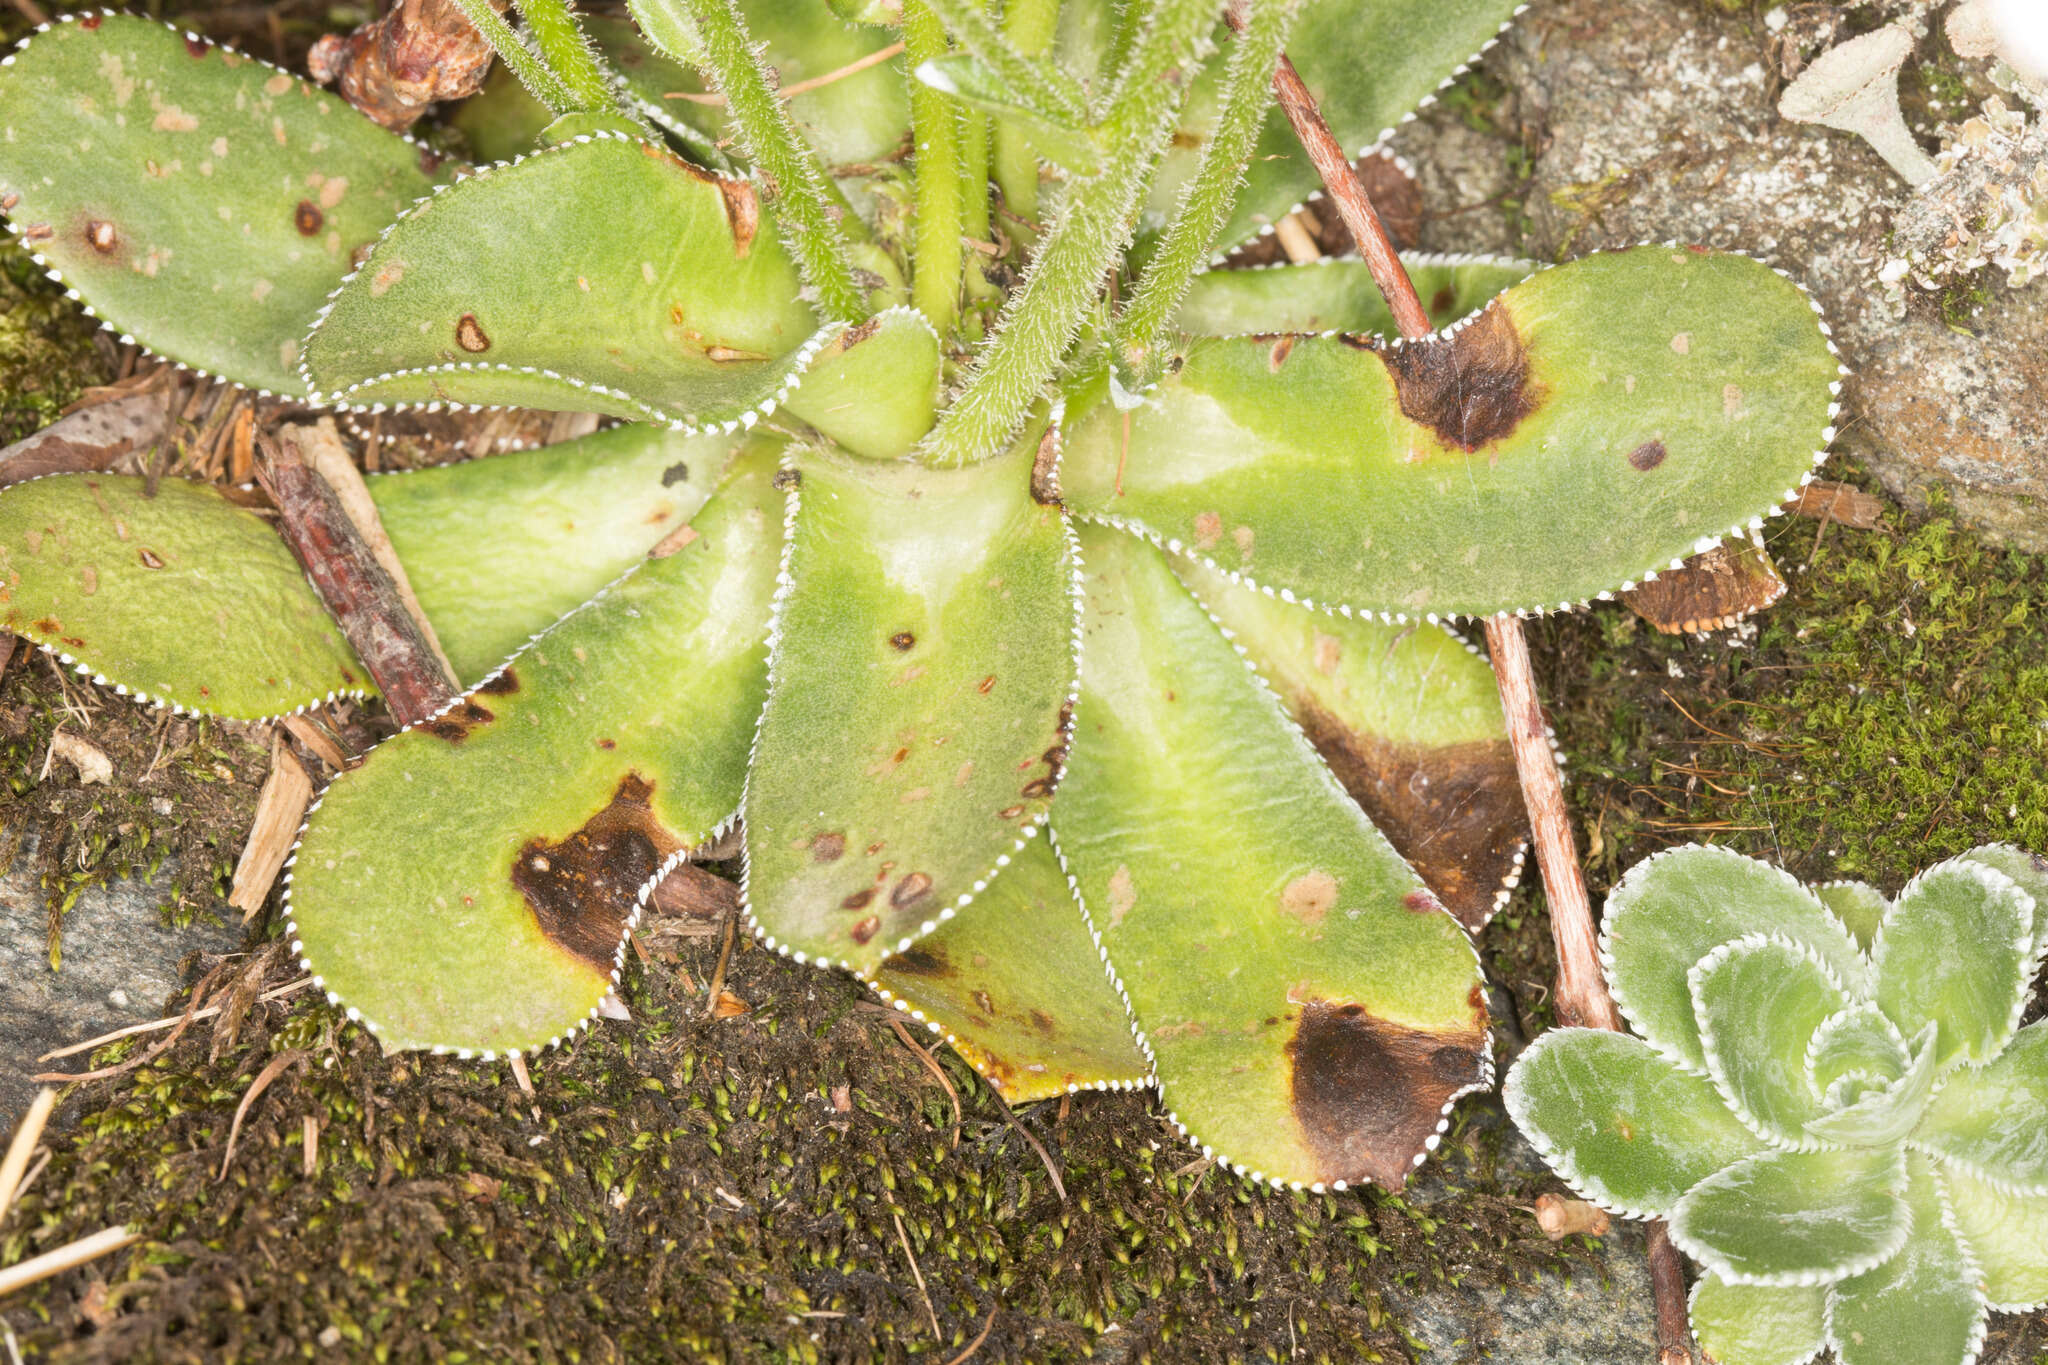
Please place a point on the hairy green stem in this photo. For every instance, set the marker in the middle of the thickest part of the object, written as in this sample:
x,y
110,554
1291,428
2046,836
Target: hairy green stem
x,y
563,47
935,169
1029,25
792,181
1049,90
1205,201
541,82
1093,227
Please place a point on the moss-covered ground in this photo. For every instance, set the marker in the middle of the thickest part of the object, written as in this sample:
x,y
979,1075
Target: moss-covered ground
x,y
792,1183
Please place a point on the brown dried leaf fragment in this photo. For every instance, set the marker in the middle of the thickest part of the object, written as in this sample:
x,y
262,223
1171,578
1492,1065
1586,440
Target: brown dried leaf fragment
x,y
394,67
1471,386
1712,592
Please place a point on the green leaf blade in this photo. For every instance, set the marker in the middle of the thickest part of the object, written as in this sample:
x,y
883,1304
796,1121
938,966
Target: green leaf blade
x,y
644,288
1797,1218
1673,909
2007,1235
542,530
200,200
1597,422
1956,950
1624,1125
184,599
1923,1306
1311,1010
1337,294
917,720
1758,1001
1987,1119
1018,987
1742,1324
468,887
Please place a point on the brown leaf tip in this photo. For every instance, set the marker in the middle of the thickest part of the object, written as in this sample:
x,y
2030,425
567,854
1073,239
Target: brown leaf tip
x,y
1470,386
1368,1093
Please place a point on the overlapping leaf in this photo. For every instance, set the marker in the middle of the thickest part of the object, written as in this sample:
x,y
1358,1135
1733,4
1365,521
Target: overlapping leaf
x,y
468,887
1758,1002
1792,1218
1746,1324
604,275
1310,1009
1596,421
204,201
1921,1305
184,598
1410,722
2008,1233
541,530
1016,983
1337,294
1987,1120
1956,950
917,721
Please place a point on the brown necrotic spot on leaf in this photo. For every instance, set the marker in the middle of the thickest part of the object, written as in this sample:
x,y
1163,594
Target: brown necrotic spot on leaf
x,y
921,960
581,889
1647,456
1367,1092
859,899
308,219
457,721
1472,387
150,559
469,335
743,216
1454,812
1045,469
865,930
503,685
902,641
913,888
101,236
1309,897
828,848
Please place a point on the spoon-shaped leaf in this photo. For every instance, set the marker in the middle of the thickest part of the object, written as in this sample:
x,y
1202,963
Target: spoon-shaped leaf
x,y
1310,1010
1758,1000
469,886
1337,294
917,721
874,388
1597,421
1956,950
603,275
1620,1121
1017,985
1858,1041
202,200
1409,719
184,599
1987,1119
1746,1324
2006,1233
1923,1304
1794,1218
540,530
1673,909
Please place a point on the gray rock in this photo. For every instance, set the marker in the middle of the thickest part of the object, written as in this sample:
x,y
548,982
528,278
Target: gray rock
x,y
1658,121
120,966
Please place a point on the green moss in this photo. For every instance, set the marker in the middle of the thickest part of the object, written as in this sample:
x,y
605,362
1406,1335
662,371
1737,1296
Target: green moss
x,y
47,355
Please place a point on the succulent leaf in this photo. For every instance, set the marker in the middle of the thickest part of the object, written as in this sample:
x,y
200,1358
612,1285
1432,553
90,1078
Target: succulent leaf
x,y
1921,1307
1957,950
2007,1235
1016,983
1859,906
1594,423
183,599
1408,719
1624,1124
541,530
1337,294
1987,1119
604,275
488,917
1758,1001
199,199
2029,871
1411,49
1310,1010
874,388
1747,1324
917,721
1797,1218
1675,908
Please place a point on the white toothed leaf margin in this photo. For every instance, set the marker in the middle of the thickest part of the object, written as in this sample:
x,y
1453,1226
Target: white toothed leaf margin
x,y
1692,1304
1746,527
1975,1346
640,899
1805,1278
1717,1072
1994,883
71,292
